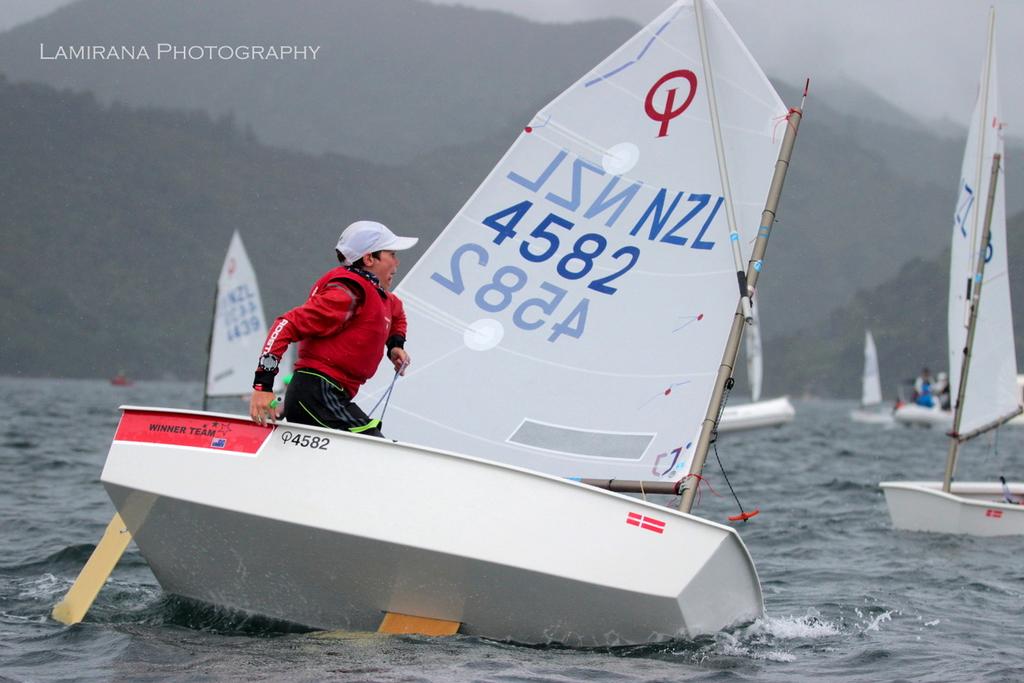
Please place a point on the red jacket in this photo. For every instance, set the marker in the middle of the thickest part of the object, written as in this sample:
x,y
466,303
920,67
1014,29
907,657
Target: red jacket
x,y
342,336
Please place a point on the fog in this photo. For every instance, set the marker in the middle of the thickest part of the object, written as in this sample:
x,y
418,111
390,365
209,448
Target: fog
x,y
924,56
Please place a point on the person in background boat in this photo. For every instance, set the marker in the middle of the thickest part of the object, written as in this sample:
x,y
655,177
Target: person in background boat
x,y
923,380
345,325
923,390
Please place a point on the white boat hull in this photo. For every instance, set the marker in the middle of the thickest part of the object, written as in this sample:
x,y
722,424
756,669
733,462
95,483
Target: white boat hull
x,y
878,416
913,414
333,530
972,508
770,413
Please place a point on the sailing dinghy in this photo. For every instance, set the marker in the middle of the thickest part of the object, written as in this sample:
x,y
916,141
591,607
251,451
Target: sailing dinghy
x,y
911,414
769,413
237,329
574,330
871,410
981,344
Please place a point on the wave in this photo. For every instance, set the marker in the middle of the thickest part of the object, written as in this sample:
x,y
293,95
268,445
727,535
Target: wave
x,y
69,560
193,614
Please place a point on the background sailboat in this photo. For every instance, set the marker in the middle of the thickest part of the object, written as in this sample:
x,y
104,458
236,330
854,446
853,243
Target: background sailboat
x,y
912,414
237,329
577,318
757,413
871,408
982,359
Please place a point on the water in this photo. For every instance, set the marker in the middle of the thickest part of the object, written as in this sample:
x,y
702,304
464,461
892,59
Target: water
x,y
848,598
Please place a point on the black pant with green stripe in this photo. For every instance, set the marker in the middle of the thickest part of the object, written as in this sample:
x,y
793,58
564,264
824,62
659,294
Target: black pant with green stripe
x,y
315,399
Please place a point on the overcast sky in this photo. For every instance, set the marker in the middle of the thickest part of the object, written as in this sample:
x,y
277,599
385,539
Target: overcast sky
x,y
924,56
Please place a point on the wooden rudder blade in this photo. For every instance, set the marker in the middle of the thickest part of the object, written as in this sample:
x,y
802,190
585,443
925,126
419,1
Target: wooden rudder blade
x,y
83,592
405,623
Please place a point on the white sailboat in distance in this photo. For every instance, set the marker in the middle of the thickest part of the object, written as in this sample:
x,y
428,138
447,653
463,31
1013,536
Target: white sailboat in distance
x,y
912,414
871,410
768,413
237,329
575,327
981,345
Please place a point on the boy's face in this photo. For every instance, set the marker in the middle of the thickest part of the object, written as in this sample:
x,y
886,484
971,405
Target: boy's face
x,y
384,267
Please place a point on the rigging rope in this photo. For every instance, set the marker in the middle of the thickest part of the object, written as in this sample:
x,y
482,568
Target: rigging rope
x,y
744,515
1008,496
386,397
700,480
729,383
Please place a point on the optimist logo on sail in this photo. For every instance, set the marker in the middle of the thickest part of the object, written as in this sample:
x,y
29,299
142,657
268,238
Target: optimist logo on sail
x,y
668,113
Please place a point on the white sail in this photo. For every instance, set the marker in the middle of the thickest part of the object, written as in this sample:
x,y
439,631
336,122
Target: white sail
x,y
572,316
871,394
991,392
755,368
239,327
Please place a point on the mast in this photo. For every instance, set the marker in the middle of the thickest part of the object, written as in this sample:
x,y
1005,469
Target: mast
x,y
982,123
209,345
213,325
732,346
723,171
975,295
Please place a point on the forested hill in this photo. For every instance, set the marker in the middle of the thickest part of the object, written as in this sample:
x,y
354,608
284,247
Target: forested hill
x,y
392,79
116,222
907,317
438,92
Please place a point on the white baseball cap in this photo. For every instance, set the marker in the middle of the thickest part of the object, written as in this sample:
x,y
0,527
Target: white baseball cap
x,y
365,237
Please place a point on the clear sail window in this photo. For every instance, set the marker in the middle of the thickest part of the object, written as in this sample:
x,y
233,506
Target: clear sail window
x,y
581,442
